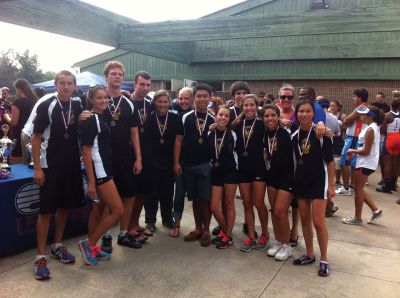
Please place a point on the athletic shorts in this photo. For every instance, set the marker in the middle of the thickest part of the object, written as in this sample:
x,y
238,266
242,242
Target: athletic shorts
x,y
124,178
283,184
198,182
219,178
252,175
100,181
364,171
143,183
315,189
62,188
349,143
391,144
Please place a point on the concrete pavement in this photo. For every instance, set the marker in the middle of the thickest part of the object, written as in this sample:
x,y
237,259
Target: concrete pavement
x,y
365,262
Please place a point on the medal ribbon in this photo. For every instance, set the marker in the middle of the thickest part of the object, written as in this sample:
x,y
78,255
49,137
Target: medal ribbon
x,y
271,146
142,118
305,145
116,108
198,123
66,124
162,131
246,142
218,149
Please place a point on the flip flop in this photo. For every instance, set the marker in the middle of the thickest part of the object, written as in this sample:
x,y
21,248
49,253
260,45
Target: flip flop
x,y
293,242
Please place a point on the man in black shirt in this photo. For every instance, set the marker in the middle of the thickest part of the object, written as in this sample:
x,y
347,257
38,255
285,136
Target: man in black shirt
x,y
57,169
238,90
380,102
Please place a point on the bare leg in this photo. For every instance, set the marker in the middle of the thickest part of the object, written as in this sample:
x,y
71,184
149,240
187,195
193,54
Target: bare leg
x,y
247,196
126,217
306,224
318,214
42,231
360,179
346,176
229,203
259,197
215,206
61,221
281,210
272,194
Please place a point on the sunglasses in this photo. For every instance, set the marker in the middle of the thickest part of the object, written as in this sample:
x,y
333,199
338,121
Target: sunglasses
x,y
283,97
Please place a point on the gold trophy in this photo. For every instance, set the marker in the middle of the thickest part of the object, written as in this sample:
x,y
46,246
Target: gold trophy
x,y
6,146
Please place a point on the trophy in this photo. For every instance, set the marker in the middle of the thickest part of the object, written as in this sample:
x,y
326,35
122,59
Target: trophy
x,y
6,146
29,149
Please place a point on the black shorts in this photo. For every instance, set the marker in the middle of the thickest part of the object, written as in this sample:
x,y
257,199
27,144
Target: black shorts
x,y
252,175
365,171
143,183
63,188
124,178
315,189
281,183
221,177
100,181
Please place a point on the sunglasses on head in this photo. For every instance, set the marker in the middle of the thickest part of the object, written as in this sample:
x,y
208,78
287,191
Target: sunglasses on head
x,y
283,97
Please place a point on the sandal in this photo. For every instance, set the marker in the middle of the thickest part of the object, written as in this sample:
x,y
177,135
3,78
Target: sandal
x,y
145,232
175,231
139,236
192,236
293,242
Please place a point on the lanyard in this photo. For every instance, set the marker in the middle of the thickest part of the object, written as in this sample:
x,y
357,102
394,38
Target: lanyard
x,y
246,142
218,148
305,145
271,146
66,124
142,118
198,123
116,108
162,131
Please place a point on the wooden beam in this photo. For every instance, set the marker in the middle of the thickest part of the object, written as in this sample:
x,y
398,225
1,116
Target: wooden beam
x,y
80,20
256,27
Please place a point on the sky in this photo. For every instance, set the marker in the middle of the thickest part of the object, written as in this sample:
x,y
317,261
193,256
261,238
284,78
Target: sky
x,y
63,51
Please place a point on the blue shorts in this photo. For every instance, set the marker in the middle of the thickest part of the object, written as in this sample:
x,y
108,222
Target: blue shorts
x,y
349,143
198,182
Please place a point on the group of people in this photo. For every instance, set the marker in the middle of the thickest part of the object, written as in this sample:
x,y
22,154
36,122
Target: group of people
x,y
141,152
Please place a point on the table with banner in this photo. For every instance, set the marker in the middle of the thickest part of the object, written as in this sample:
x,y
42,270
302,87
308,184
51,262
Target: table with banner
x,y
19,205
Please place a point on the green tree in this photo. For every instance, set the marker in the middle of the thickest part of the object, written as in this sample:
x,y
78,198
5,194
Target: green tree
x,y
14,65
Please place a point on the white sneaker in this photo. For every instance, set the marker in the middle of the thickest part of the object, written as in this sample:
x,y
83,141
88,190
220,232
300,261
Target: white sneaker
x,y
284,253
343,192
274,249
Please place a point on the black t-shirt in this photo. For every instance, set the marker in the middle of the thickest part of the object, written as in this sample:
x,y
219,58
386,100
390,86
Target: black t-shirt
x,y
177,108
227,158
56,149
234,113
314,156
160,149
382,106
255,148
24,111
143,111
195,148
124,119
281,159
96,133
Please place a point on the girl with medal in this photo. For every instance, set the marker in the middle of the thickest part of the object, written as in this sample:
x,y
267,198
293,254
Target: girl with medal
x,y
313,183
97,156
280,183
224,178
252,170
160,133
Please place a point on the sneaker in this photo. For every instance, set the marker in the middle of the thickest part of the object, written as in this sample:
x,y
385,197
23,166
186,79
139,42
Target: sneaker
x,y
128,240
106,244
216,230
101,254
88,253
232,242
262,242
323,269
352,221
343,192
383,189
284,253
218,238
274,249
224,242
331,212
151,227
41,271
248,245
61,253
304,260
398,201
245,230
338,184
375,216
381,182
